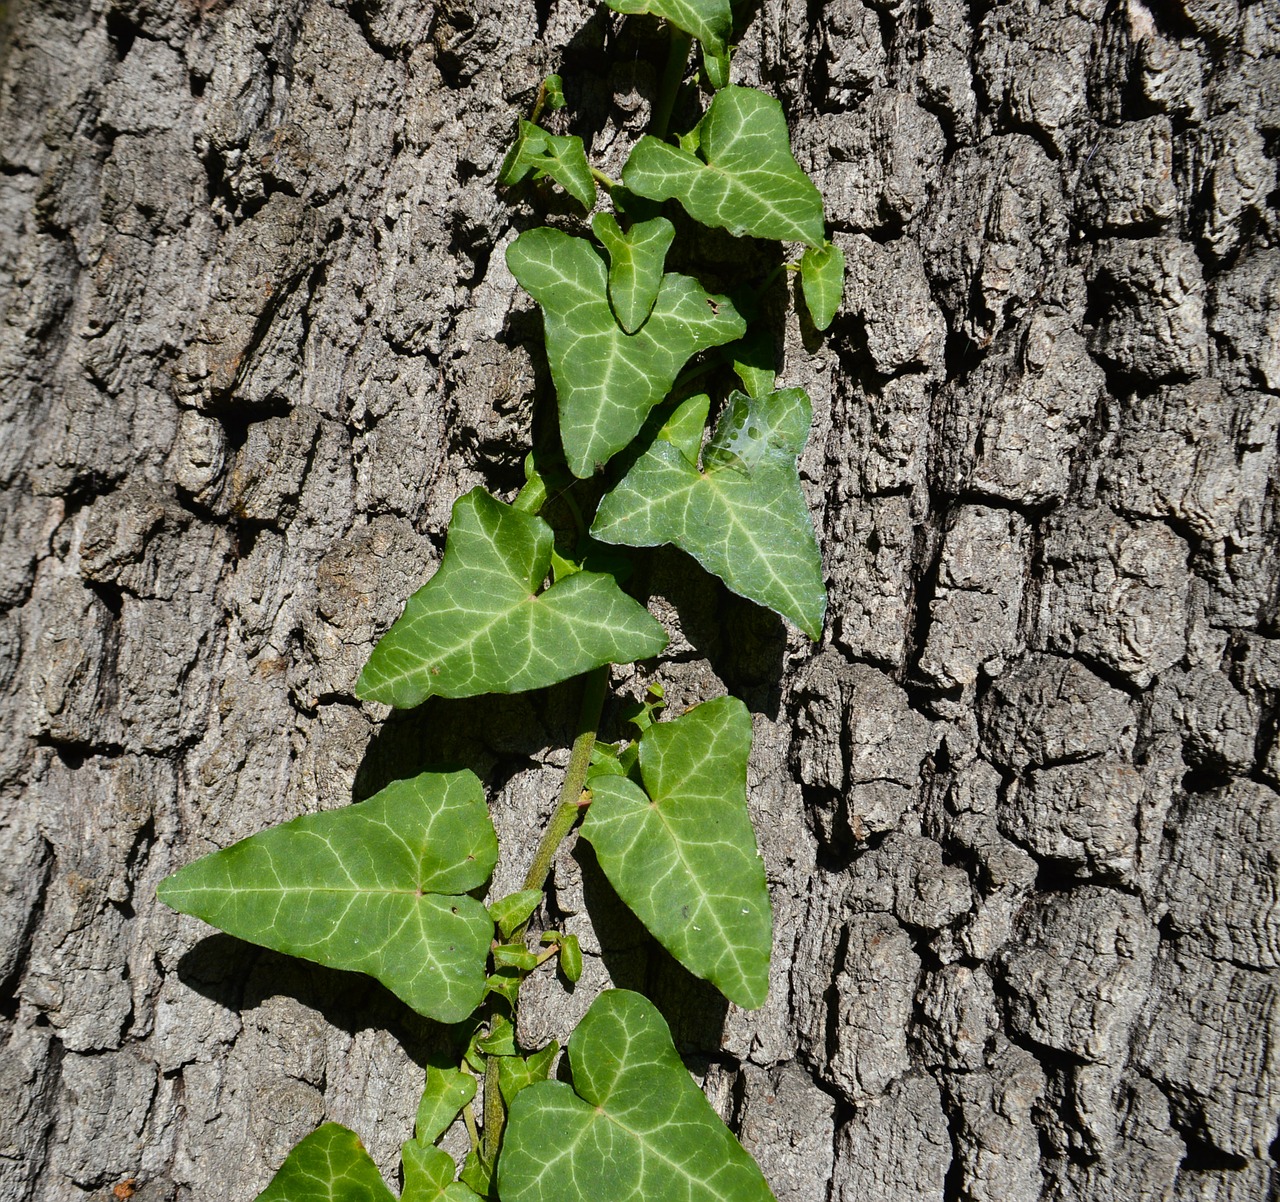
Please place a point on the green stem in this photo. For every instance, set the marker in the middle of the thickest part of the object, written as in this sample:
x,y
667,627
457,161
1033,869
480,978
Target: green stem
x,y
607,180
672,75
495,1113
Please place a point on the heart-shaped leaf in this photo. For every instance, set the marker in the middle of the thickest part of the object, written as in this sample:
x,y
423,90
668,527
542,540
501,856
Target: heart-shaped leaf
x,y
446,1091
606,379
428,1176
822,280
743,517
681,852
544,154
379,887
519,1072
480,626
330,1165
633,1126
743,178
710,21
635,265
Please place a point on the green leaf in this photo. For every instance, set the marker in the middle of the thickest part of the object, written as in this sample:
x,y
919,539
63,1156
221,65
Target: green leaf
x,y
743,517
571,959
501,1040
330,1165
633,1126
753,363
635,265
518,1072
428,1176
563,159
379,888
476,1173
446,1092
710,21
553,92
510,911
681,852
822,280
515,955
606,379
743,179
505,982
478,627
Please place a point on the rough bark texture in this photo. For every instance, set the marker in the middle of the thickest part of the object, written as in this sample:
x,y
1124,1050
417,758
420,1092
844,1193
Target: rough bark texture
x,y
1019,807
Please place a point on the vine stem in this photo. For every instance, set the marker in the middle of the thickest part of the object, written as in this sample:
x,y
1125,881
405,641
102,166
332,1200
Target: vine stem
x,y
568,807
607,180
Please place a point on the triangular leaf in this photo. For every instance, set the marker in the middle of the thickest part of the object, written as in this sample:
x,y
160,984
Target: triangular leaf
x,y
606,379
379,887
635,265
518,1072
681,852
746,180
477,626
330,1165
822,280
544,154
710,21
743,517
446,1092
428,1176
510,911
634,1125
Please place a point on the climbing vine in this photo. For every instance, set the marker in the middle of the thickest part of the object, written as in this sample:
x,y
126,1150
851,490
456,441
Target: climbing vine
x,y
390,886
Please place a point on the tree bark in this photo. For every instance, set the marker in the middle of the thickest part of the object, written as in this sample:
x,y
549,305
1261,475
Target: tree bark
x,y
1018,808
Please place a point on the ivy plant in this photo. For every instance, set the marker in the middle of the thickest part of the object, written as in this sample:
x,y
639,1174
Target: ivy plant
x,y
530,594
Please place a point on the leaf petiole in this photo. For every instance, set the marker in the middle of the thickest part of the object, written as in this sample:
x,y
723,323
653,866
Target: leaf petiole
x,y
607,180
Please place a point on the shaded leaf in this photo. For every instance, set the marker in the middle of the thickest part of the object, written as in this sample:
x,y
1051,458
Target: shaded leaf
x,y
710,21
330,1165
606,379
633,1125
428,1176
501,1040
478,627
743,178
378,887
681,852
743,517
635,265
446,1092
822,281
550,155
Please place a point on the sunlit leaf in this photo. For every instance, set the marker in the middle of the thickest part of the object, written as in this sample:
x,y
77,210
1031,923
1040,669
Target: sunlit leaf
x,y
330,1165
743,517
571,959
480,625
632,1126
636,257
379,887
549,155
510,911
446,1092
743,178
710,21
822,281
606,379
428,1176
681,852
518,1072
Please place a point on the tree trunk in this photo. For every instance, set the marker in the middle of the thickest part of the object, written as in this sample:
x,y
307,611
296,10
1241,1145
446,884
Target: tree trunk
x,y
1018,807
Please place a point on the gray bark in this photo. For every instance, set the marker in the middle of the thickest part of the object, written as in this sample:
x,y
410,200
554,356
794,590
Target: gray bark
x,y
1019,808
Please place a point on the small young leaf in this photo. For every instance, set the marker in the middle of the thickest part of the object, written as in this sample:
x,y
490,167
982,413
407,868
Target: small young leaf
x,y
378,887
446,1092
822,280
549,155
478,627
606,379
743,517
746,180
633,1125
753,362
501,1040
681,852
505,982
517,1072
635,265
510,911
553,92
710,21
514,955
330,1165
428,1176
571,959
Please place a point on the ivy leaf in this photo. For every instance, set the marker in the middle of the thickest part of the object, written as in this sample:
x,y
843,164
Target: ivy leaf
x,y
379,887
681,852
446,1092
518,1072
510,911
822,281
710,21
743,517
571,959
330,1165
544,154
606,379
633,1125
635,265
743,179
478,627
428,1176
